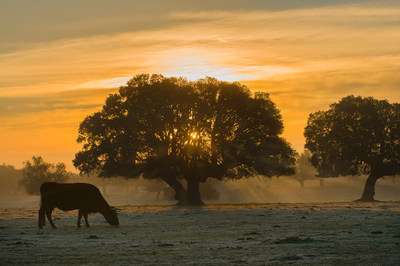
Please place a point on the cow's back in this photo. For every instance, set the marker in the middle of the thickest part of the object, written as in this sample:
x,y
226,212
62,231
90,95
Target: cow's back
x,y
71,196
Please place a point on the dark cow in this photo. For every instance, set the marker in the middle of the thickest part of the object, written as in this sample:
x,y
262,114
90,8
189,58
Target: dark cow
x,y
84,197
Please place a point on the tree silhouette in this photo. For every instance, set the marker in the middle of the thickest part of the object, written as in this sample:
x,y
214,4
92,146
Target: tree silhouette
x,y
176,130
304,169
356,136
38,171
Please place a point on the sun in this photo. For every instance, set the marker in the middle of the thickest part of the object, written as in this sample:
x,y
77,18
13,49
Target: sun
x,y
194,135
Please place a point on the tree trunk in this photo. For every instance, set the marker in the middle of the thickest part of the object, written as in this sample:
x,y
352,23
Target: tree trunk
x,y
369,189
193,192
181,194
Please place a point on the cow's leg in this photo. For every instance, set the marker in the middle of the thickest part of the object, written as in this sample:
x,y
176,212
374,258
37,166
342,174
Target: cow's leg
x,y
42,218
79,218
85,214
48,214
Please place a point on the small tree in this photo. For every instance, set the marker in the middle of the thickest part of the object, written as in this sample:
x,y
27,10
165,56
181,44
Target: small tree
x,y
184,133
356,136
304,169
37,171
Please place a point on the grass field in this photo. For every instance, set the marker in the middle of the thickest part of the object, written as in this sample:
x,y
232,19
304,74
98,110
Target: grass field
x,y
255,234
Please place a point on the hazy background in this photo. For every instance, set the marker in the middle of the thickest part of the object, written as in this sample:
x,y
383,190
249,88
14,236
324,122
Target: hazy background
x,y
59,60
120,191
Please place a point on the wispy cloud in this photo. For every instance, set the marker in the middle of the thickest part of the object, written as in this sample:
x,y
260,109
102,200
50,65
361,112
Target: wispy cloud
x,y
45,123
83,100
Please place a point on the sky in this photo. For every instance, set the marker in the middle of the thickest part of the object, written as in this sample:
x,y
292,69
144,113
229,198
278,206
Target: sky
x,y
60,59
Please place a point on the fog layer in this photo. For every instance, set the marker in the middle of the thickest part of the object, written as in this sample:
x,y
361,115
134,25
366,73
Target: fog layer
x,y
119,191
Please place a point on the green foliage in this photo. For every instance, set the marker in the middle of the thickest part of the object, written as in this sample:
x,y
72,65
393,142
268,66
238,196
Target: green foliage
x,y
37,171
355,136
173,129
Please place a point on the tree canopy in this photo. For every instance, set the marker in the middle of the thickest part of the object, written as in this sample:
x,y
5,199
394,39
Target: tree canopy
x,y
183,133
356,136
37,171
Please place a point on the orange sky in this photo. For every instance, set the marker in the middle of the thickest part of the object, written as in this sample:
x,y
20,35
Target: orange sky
x,y
59,61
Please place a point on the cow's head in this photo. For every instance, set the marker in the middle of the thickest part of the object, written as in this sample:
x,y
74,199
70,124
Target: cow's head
x,y
111,216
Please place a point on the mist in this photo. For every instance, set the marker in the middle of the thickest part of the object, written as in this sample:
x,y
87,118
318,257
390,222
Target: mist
x,y
138,192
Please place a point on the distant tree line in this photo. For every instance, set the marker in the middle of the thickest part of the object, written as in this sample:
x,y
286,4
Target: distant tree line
x,y
9,178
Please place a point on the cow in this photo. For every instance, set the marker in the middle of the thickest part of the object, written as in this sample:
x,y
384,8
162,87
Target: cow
x,y
71,196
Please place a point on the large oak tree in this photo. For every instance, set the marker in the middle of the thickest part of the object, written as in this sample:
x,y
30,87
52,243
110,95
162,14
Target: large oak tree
x,y
356,136
183,133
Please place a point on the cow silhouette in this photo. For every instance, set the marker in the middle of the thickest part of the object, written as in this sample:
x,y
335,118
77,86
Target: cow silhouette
x,y
82,196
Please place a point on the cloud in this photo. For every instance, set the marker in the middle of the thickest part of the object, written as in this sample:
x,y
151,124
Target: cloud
x,y
257,43
14,111
306,58
45,124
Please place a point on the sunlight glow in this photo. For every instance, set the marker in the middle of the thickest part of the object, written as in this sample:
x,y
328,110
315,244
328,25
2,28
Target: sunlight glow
x,y
195,63
105,83
194,135
195,72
